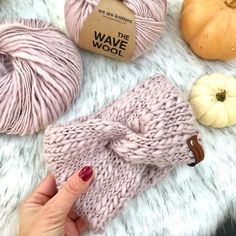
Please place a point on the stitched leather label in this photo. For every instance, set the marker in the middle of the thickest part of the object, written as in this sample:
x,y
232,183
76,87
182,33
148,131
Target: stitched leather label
x,y
110,30
196,148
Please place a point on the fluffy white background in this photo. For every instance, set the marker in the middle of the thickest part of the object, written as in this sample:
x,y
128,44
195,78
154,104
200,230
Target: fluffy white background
x,y
192,201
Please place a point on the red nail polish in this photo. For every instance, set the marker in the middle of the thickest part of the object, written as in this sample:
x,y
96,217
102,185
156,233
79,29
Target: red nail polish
x,y
86,173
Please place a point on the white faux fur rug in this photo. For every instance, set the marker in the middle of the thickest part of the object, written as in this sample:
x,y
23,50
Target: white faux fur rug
x,y
192,201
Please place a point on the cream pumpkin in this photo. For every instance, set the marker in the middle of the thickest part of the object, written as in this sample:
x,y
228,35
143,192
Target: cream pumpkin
x,y
213,100
209,27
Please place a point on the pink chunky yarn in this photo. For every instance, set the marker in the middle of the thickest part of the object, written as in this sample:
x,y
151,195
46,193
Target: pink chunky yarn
x,y
131,144
149,20
40,75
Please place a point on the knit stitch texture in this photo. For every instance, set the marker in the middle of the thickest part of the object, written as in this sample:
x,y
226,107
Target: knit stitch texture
x,y
131,144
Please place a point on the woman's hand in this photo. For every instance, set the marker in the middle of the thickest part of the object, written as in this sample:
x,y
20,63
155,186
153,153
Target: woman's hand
x,y
47,212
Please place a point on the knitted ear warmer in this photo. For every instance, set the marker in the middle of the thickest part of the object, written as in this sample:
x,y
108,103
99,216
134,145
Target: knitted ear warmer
x,y
131,144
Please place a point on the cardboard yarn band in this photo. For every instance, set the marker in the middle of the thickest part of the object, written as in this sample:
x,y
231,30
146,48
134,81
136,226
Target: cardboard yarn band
x,y
131,144
40,75
149,20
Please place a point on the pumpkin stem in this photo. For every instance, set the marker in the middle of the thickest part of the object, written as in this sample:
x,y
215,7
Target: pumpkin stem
x,y
221,96
230,3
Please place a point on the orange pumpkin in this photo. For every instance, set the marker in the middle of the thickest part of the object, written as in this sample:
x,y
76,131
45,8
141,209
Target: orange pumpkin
x,y
209,27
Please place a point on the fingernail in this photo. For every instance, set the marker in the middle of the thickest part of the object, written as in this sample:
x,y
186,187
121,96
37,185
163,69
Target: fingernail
x,y
86,173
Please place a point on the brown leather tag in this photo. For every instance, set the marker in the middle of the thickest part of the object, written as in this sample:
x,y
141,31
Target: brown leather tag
x,y
110,30
196,148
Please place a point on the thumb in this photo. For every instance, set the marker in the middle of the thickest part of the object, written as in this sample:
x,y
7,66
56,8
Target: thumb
x,y
69,193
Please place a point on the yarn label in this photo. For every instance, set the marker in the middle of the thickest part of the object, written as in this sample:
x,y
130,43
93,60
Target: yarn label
x,y
110,30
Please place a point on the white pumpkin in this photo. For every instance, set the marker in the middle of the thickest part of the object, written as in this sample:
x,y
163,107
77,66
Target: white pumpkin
x,y
213,100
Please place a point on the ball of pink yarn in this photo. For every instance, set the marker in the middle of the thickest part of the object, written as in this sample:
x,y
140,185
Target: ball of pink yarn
x,y
40,75
149,20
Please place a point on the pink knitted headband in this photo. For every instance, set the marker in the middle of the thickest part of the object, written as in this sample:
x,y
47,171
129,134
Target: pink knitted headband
x,y
131,144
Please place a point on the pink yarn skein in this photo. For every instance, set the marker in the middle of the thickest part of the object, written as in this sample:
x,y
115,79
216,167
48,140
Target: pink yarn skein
x,y
149,20
40,75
